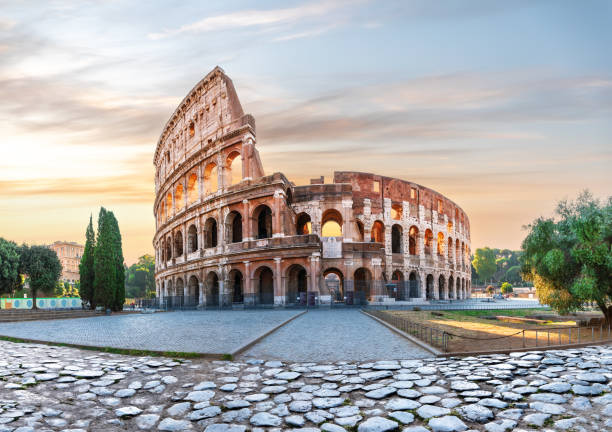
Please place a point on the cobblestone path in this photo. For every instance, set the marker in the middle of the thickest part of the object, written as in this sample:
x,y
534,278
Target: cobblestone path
x,y
46,388
334,335
190,331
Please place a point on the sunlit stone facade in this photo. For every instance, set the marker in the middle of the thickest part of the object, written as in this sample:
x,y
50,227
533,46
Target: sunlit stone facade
x,y
229,235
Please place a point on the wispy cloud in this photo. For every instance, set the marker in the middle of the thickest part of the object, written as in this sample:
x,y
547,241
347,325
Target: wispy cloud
x,y
257,18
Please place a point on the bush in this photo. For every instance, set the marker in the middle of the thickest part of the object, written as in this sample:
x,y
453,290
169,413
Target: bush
x,y
506,288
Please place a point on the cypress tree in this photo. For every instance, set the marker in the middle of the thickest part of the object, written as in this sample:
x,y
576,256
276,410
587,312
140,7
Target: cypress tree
x,y
104,270
118,264
86,267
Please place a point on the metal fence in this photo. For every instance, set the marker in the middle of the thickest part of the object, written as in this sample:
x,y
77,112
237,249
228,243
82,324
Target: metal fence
x,y
521,339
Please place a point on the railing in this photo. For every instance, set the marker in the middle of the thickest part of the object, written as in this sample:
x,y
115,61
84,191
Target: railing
x,y
430,335
521,339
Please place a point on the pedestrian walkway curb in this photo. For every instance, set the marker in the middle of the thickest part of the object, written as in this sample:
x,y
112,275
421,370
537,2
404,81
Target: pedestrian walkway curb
x,y
267,333
405,335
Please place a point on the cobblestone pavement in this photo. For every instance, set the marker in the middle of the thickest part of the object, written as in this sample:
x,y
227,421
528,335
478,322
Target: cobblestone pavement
x,y
190,331
45,388
333,335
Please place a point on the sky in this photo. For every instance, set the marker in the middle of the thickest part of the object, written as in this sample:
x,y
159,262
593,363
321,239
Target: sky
x,y
503,107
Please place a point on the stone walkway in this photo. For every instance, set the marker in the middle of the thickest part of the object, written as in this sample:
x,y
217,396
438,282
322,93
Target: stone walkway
x,y
46,388
334,335
217,332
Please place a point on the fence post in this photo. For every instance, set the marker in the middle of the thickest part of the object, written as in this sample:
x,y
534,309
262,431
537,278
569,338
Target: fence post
x,y
548,337
578,334
559,336
570,336
523,338
536,338
593,333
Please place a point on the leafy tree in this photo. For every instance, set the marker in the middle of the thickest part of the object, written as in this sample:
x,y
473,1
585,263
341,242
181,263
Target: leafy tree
x,y
513,275
490,289
42,266
140,277
118,264
9,266
506,288
485,263
86,267
104,270
569,257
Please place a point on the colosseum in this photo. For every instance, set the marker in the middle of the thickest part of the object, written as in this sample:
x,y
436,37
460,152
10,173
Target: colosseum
x,y
228,235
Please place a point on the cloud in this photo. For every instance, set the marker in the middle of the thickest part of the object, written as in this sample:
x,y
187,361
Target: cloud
x,y
257,18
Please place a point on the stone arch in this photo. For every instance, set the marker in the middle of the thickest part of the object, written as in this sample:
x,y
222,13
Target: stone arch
x,y
212,289
179,287
168,244
233,227
360,231
168,205
413,236
161,214
192,239
396,211
334,284
414,284
211,178
458,288
262,221
450,249
397,239
297,284
178,198
440,244
430,287
442,293
451,288
428,241
178,244
331,223
210,233
193,288
264,285
363,281
236,286
303,225
233,165
377,235
192,188
169,288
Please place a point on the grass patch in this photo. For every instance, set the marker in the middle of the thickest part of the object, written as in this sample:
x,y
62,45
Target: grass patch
x,y
491,312
227,357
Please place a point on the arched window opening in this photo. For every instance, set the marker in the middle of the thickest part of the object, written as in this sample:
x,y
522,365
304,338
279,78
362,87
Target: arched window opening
x,y
236,286
428,241
168,205
451,288
396,212
440,244
297,283
449,226
234,227
378,232
413,282
265,279
363,282
192,239
234,168
192,188
442,288
331,224
194,289
212,289
178,198
262,217
413,235
179,291
169,249
429,288
450,248
211,178
334,284
191,129
396,239
210,233
303,225
178,244
360,231
162,213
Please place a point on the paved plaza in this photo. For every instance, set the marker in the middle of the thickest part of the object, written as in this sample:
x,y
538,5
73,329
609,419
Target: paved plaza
x,y
49,388
334,335
215,332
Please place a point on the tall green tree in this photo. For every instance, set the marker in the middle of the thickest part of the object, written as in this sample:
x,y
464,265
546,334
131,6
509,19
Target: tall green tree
x,y
485,263
42,266
104,263
9,266
569,257
118,264
86,267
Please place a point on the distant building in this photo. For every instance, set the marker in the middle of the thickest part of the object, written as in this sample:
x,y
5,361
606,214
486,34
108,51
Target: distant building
x,y
69,254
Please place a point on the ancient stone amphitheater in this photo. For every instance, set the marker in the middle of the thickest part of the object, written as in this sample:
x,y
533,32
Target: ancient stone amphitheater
x,y
228,235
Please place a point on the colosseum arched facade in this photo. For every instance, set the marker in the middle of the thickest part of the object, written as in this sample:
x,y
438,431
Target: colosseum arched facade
x,y
228,235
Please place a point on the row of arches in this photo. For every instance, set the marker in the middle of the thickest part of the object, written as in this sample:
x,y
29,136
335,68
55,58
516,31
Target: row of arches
x,y
186,194
172,245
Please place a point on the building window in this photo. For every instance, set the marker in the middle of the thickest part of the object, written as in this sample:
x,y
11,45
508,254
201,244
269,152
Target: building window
x,y
376,186
439,206
413,193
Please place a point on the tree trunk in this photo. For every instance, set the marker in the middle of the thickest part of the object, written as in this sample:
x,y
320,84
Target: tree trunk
x,y
34,307
607,311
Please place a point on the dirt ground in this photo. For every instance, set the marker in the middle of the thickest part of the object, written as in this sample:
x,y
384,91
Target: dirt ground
x,y
469,332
